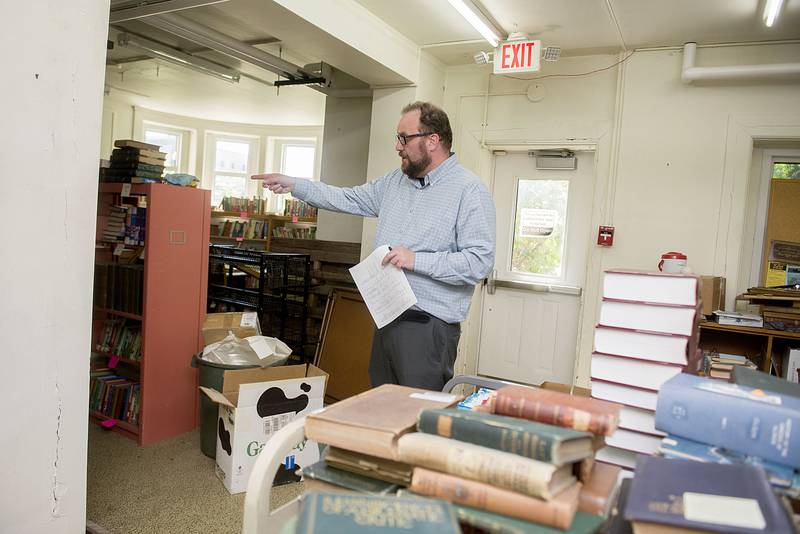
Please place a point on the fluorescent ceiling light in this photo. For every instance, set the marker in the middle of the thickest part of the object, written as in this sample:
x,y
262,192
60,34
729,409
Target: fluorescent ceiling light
x,y
176,57
772,9
469,12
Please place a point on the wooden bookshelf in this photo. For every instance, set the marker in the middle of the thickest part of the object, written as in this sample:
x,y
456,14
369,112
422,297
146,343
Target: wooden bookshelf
x,y
747,341
272,221
175,275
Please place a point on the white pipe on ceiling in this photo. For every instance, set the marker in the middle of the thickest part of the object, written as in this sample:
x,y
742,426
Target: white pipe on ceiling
x,y
690,73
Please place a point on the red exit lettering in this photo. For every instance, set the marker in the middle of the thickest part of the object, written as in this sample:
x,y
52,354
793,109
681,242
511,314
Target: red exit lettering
x,y
518,56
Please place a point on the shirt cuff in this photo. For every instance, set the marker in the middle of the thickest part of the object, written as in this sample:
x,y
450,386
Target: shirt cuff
x,y
302,188
423,262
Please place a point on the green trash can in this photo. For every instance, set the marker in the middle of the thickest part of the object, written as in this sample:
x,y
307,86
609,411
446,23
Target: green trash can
x,y
211,375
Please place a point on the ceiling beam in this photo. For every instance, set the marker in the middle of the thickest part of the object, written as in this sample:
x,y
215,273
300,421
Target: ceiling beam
x,y
156,8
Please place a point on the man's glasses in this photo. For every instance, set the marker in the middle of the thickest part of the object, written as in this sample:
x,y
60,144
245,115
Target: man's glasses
x,y
403,138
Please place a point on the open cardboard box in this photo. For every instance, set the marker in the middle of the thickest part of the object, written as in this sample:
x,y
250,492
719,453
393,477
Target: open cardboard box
x,y
253,405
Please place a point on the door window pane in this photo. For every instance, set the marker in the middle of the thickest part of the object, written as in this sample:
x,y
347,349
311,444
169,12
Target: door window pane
x,y
298,161
228,186
231,156
169,143
539,227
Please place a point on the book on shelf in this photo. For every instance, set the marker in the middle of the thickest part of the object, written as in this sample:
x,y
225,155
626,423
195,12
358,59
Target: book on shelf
x,y
114,396
321,471
703,497
370,466
651,287
655,346
556,408
738,319
546,443
557,512
664,318
743,419
373,421
501,469
599,490
325,513
783,478
298,208
630,371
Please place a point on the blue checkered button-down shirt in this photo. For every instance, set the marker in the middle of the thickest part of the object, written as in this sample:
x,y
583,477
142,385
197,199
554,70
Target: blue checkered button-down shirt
x,y
448,220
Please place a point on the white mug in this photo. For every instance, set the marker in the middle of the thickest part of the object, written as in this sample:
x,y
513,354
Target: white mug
x,y
672,262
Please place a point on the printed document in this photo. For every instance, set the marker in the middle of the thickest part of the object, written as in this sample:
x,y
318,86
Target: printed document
x,y
385,288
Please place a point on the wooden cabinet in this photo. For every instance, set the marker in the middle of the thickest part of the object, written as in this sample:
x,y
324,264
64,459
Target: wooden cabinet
x,y
763,346
172,301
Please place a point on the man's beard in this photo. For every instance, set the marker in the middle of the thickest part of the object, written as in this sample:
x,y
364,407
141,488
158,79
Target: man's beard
x,y
415,169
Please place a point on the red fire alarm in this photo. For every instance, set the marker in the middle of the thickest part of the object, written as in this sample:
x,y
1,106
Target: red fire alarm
x,y
605,236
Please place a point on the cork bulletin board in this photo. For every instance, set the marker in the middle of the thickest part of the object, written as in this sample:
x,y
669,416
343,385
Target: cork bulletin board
x,y
781,256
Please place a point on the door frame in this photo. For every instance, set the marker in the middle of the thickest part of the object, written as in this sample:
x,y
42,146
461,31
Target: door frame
x,y
600,150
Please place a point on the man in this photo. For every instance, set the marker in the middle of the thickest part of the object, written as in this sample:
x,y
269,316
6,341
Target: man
x,y
439,221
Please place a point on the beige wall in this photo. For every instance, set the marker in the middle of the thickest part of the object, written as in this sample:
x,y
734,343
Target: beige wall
x,y
672,185
345,149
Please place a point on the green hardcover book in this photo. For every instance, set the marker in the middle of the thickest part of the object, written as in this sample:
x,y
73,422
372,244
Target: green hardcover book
x,y
322,471
546,443
500,524
340,513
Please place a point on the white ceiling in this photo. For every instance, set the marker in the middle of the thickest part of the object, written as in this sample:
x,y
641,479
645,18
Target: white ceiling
x,y
586,26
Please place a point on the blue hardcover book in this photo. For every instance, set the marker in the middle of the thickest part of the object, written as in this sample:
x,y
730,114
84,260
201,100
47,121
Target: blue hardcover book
x,y
675,447
746,420
734,499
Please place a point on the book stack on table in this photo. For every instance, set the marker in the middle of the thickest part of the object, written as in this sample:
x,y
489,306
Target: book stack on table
x,y
647,333
721,365
134,162
494,472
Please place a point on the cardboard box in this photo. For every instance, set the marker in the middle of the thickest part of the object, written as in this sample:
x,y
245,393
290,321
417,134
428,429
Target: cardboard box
x,y
253,405
217,325
791,365
712,294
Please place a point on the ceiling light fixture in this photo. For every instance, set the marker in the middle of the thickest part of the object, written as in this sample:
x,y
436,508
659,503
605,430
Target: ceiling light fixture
x,y
477,20
481,58
176,57
772,9
551,53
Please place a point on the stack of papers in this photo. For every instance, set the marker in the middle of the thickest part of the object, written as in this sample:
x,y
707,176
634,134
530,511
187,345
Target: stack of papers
x,y
740,319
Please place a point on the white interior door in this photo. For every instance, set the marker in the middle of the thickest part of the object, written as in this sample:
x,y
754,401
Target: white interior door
x,y
531,306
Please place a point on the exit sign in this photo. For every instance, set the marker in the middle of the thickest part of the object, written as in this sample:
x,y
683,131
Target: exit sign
x,y
517,56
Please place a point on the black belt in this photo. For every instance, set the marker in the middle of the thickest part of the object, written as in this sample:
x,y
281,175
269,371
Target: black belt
x,y
414,316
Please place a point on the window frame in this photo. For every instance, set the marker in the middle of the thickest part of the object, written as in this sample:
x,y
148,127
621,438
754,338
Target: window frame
x,y
275,158
184,143
210,173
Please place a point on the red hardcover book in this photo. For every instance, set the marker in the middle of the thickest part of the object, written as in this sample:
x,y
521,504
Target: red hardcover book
x,y
555,408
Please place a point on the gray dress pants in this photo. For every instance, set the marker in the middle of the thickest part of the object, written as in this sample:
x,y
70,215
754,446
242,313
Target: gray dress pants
x,y
416,350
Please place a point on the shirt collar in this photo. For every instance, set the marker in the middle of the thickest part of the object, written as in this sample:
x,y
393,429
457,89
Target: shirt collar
x,y
436,174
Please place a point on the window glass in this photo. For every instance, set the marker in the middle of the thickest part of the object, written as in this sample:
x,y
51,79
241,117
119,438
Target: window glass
x,y
539,227
786,171
231,156
298,160
169,143
228,186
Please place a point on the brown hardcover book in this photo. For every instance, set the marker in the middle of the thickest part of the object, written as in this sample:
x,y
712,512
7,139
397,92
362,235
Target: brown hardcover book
x,y
598,492
557,513
372,422
124,143
473,462
370,466
554,408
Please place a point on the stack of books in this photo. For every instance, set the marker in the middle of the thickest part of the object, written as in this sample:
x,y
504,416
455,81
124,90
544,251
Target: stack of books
x,y
114,396
252,206
749,421
720,365
647,334
671,496
134,162
493,469
125,224
298,208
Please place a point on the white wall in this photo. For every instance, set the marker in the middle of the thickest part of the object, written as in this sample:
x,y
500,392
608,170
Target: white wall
x,y
52,90
673,190
345,149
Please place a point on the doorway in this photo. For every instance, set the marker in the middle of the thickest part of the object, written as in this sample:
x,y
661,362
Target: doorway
x,y
532,303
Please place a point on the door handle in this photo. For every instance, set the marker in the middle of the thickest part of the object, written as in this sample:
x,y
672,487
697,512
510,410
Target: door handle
x,y
490,283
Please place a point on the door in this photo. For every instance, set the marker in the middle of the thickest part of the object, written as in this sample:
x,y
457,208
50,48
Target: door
x,y
532,303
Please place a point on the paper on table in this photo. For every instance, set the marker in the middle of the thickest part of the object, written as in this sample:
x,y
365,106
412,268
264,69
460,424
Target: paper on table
x,y
385,288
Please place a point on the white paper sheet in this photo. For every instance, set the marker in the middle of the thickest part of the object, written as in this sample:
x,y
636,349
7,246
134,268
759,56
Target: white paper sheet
x,y
385,288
